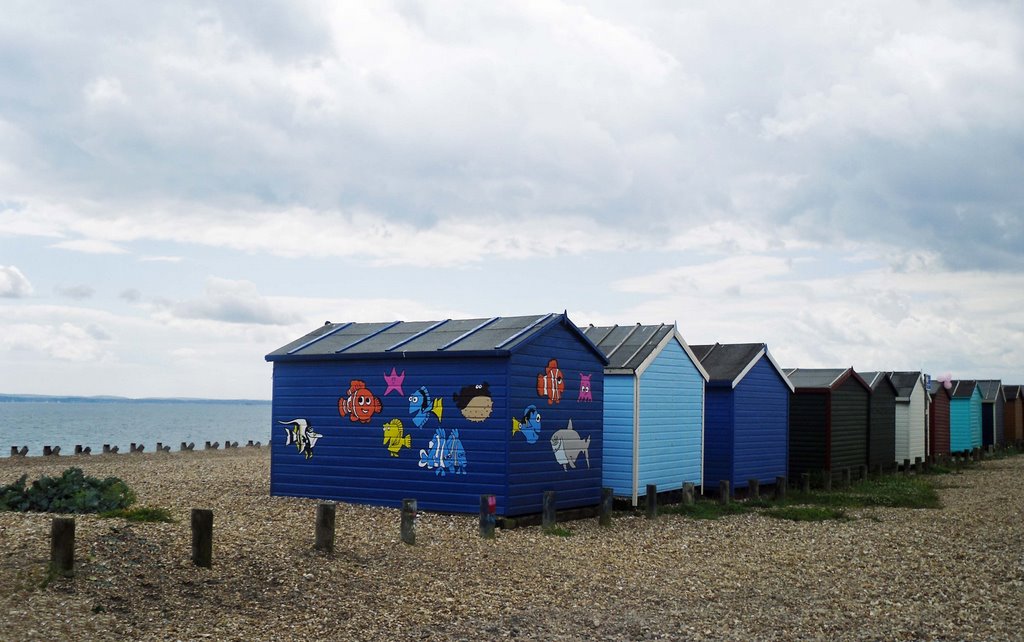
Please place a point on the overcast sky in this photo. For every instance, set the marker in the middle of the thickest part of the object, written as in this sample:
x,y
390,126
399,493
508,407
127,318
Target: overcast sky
x,y
184,187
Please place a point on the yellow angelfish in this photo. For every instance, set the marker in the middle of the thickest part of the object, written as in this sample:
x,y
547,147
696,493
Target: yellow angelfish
x,y
395,437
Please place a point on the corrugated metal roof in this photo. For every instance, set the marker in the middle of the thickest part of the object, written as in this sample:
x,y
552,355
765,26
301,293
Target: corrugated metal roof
x,y
963,389
725,362
448,336
1012,391
990,389
904,382
814,377
627,347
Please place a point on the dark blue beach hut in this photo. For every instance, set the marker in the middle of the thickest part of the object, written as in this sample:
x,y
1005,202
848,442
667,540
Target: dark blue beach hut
x,y
746,420
993,408
653,409
440,411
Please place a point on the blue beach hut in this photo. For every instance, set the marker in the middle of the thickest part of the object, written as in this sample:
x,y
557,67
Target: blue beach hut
x,y
993,409
653,409
441,411
965,416
746,417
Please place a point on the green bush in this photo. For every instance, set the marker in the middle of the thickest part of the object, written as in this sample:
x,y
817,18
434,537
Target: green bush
x,y
72,492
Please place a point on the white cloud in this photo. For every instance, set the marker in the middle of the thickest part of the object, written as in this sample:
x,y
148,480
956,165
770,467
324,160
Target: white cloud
x,y
13,284
90,246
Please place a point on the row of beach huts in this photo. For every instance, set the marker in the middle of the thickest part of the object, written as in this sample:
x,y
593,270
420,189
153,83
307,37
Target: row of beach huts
x,y
447,411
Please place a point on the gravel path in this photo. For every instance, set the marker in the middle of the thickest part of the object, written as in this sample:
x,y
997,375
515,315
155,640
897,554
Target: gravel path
x,y
956,573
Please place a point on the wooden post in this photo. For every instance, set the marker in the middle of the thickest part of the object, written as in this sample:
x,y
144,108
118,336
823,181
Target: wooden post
x,y
688,494
488,507
408,528
864,472
846,477
805,482
906,467
202,537
651,501
62,546
547,519
917,465
753,489
879,470
827,479
723,492
780,488
605,516
325,527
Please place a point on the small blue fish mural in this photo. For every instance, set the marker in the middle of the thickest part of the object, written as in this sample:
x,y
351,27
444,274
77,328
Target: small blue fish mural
x,y
422,406
444,454
529,425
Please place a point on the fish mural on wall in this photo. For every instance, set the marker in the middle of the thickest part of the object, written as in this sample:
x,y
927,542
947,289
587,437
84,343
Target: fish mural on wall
x,y
551,383
474,401
360,404
585,393
567,446
395,438
422,407
529,425
444,454
394,382
302,435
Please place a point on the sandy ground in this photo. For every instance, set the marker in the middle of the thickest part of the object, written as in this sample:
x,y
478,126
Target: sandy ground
x,y
955,573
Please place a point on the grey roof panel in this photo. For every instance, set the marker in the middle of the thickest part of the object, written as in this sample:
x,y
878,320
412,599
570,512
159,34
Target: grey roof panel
x,y
725,362
989,389
905,382
454,335
872,377
1012,391
814,377
627,347
963,389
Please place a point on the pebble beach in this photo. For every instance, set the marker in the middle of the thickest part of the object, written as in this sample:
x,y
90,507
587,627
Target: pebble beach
x,y
954,573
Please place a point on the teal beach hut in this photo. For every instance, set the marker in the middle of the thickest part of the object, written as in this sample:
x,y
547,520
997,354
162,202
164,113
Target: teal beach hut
x,y
965,416
653,409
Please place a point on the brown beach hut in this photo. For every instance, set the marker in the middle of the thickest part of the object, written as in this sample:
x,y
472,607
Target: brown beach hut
x,y
938,420
1014,414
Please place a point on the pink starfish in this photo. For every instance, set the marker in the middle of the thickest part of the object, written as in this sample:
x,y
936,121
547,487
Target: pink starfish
x,y
394,381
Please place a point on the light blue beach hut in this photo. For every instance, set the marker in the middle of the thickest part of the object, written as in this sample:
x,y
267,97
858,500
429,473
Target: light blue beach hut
x,y
653,409
965,416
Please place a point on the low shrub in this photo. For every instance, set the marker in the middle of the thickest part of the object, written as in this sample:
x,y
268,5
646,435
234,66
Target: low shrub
x,y
141,514
72,492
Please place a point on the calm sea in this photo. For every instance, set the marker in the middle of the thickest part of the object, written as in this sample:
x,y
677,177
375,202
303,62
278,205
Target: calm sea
x,y
48,423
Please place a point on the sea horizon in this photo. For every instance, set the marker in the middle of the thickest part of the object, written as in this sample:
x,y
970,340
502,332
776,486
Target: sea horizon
x,y
10,397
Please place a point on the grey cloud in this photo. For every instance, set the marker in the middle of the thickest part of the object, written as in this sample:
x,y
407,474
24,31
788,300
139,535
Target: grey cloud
x,y
75,291
131,295
234,302
651,113
13,284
